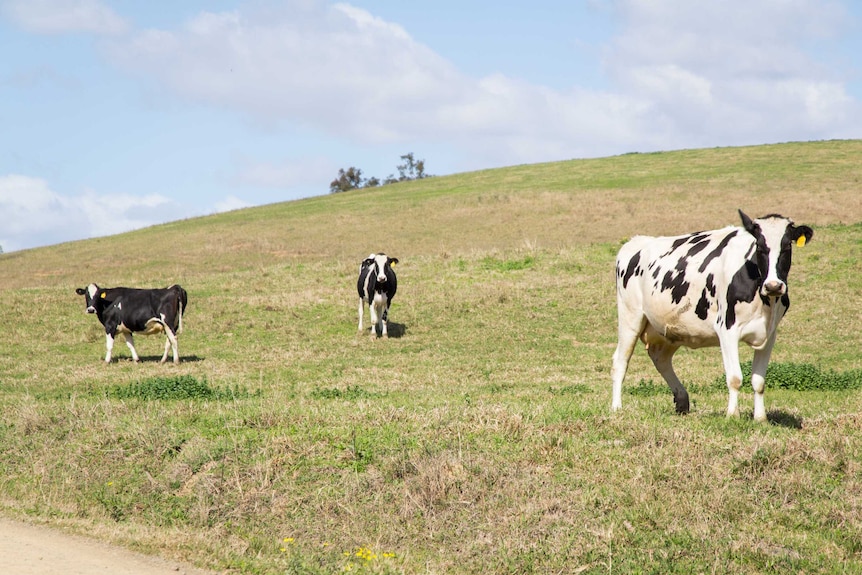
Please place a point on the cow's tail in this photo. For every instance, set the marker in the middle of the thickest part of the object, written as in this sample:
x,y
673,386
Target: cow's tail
x,y
180,310
182,303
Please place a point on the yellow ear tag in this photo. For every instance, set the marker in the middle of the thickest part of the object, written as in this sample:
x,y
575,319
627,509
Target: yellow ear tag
x,y
801,241
392,265
103,295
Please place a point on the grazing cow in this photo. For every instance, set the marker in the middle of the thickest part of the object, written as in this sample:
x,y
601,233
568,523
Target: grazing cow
x,y
377,285
713,288
128,310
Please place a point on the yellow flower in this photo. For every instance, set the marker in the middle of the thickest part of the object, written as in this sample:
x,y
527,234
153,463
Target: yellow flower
x,y
288,539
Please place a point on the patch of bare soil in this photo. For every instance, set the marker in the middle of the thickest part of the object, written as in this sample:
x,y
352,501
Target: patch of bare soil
x,y
27,549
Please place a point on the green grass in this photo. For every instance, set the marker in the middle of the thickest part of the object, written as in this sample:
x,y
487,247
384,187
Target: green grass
x,y
477,439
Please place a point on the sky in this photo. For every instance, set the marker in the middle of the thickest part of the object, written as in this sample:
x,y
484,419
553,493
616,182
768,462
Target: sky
x,y
120,114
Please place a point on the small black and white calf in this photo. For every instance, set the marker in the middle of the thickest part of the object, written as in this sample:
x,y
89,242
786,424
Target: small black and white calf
x,y
714,288
377,285
130,310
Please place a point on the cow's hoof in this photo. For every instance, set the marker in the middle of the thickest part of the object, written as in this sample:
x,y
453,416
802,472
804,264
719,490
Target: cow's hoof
x,y
682,406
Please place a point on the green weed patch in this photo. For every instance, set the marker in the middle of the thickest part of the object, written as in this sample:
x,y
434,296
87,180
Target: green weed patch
x,y
176,387
351,392
802,377
495,264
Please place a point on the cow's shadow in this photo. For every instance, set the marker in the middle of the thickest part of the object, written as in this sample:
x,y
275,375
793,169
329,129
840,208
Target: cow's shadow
x,y
157,358
774,417
784,419
393,330
396,330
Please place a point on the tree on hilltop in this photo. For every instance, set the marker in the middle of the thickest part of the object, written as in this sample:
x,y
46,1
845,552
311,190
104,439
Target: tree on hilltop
x,y
351,178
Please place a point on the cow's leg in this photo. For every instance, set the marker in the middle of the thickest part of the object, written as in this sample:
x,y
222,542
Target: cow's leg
x,y
375,315
109,344
758,377
130,343
167,347
384,318
361,312
729,340
661,355
629,332
170,343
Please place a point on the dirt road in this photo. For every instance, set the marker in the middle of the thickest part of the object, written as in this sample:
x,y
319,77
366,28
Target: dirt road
x,y
35,550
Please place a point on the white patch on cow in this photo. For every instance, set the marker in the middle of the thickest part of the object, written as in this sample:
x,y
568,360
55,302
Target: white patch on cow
x,y
773,230
380,265
92,289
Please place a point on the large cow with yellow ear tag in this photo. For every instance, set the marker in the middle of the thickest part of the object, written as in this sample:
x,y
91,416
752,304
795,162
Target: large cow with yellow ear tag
x,y
714,288
377,285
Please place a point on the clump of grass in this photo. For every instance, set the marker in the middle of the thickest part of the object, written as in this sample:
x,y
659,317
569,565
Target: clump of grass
x,y
494,264
802,377
648,388
574,389
350,392
176,387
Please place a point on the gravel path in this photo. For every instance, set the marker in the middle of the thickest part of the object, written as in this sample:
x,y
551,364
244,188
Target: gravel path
x,y
36,550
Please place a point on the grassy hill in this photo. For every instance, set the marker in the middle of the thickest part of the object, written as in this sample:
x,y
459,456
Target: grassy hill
x,y
479,439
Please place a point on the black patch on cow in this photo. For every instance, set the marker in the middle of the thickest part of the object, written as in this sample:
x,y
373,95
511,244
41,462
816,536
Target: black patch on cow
x,y
675,245
632,268
676,281
719,249
782,266
707,296
697,247
744,287
701,310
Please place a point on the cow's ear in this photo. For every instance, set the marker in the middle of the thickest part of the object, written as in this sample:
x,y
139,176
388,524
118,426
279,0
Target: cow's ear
x,y
746,222
802,235
80,291
393,261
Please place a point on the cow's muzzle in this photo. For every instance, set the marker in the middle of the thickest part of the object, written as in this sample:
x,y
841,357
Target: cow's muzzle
x,y
774,288
91,309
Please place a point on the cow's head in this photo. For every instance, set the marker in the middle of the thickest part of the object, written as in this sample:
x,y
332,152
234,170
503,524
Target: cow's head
x,y
774,238
91,294
379,264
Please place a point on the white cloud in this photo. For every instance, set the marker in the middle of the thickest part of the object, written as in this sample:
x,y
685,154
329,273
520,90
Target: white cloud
x,y
705,73
31,214
60,16
332,67
734,71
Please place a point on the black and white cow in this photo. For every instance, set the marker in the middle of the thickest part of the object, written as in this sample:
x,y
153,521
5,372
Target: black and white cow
x,y
129,310
713,288
377,285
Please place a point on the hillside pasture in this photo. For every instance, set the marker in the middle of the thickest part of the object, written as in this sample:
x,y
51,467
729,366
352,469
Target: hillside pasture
x,y
478,438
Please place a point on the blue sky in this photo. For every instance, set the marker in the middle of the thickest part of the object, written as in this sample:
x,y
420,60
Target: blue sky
x,y
120,114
